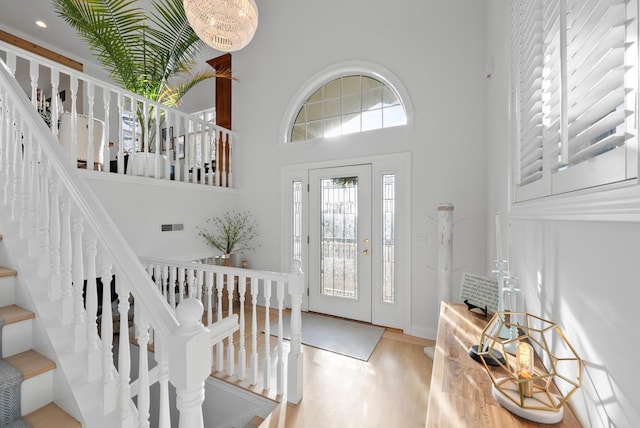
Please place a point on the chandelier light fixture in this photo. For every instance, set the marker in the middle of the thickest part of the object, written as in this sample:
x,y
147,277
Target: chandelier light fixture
x,y
225,25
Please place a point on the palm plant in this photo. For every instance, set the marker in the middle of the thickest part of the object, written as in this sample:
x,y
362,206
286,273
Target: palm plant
x,y
151,54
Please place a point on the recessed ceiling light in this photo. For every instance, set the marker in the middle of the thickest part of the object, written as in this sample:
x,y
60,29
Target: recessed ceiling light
x,y
41,23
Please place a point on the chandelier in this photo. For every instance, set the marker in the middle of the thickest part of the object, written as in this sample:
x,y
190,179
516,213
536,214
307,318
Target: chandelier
x,y
226,25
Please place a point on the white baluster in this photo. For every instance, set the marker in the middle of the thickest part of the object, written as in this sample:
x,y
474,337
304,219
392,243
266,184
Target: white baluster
x,y
89,143
253,375
43,221
66,281
267,335
220,345
54,243
79,333
212,147
91,304
25,185
165,281
106,99
172,286
7,148
106,333
34,71
209,287
34,194
18,162
280,364
73,147
230,279
124,357
192,283
199,279
162,357
5,129
142,336
157,278
55,102
294,360
181,283
120,134
242,352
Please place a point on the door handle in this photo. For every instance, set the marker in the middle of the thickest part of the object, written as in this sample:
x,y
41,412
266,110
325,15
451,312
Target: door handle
x,y
365,252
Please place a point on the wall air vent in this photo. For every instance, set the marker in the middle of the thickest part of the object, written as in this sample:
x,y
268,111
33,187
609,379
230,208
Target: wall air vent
x,y
171,227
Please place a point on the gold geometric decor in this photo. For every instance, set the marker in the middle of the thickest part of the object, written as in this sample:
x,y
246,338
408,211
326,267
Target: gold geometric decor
x,y
544,363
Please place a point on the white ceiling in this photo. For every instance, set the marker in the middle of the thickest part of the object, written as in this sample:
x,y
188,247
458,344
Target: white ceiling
x,y
18,17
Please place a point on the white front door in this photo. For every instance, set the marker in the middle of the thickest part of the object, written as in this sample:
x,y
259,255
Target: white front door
x,y
340,241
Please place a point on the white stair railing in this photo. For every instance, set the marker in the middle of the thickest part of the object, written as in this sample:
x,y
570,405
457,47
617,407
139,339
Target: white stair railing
x,y
208,283
76,246
172,146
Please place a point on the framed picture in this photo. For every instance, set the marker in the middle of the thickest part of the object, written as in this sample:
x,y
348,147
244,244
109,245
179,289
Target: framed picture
x,y
179,148
166,136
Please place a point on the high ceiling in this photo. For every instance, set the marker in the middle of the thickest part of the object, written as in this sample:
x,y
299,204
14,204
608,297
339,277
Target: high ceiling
x,y
18,17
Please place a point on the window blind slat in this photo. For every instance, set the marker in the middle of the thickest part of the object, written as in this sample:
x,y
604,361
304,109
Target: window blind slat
x,y
531,146
534,163
601,38
602,146
534,131
598,129
531,179
534,105
595,112
527,158
614,58
589,92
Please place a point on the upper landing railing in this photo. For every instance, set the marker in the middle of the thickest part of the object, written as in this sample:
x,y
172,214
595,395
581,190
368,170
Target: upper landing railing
x,y
96,120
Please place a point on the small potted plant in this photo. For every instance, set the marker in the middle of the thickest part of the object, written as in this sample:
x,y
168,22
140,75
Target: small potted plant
x,y
232,233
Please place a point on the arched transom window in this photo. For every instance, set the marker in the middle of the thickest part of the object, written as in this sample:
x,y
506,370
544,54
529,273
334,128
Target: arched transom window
x,y
347,105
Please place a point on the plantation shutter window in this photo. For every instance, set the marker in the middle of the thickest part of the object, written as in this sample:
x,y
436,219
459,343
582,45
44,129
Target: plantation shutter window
x,y
575,84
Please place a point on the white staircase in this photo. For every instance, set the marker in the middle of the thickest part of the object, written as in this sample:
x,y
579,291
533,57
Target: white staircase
x,y
37,389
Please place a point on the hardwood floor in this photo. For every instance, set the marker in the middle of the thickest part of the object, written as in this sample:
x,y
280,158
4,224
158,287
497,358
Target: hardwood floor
x,y
389,390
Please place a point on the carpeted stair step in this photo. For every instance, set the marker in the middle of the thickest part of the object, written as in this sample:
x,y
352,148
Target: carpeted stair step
x,y
37,386
51,416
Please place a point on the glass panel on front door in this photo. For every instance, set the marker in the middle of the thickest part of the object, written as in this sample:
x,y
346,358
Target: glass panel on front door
x,y
338,240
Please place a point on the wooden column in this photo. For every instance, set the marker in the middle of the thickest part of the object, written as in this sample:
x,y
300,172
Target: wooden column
x,y
222,64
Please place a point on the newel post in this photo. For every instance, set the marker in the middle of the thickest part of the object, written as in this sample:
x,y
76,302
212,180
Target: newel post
x,y
190,362
294,375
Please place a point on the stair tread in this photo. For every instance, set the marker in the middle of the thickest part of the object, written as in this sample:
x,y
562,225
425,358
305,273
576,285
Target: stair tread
x,y
7,272
15,313
30,363
256,421
51,416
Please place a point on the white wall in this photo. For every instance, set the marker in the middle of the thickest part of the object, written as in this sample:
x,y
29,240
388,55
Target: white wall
x,y
436,50
139,205
580,274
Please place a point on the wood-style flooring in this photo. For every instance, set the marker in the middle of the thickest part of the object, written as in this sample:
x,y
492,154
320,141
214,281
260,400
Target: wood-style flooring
x,y
389,390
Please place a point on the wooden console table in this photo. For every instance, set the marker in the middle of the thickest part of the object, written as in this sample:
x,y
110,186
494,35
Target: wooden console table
x,y
460,393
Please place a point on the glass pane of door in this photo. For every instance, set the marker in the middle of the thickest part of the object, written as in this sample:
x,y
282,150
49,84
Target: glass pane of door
x,y
338,240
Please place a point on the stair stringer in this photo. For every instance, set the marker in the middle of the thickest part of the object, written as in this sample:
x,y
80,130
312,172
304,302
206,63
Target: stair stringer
x,y
72,392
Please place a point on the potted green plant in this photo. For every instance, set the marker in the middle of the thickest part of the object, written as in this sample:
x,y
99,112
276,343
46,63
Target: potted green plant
x,y
151,54
232,233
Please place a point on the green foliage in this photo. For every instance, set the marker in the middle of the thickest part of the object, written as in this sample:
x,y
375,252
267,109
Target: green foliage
x,y
233,232
142,52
